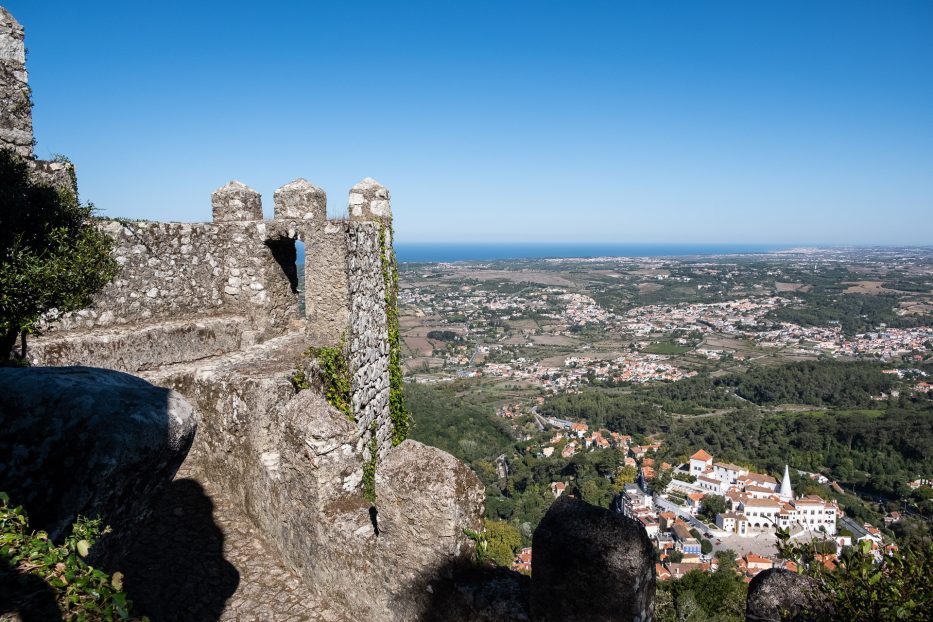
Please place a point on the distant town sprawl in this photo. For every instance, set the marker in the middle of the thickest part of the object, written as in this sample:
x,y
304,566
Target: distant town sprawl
x,y
563,323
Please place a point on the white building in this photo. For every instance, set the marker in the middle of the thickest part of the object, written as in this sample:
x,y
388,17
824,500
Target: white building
x,y
700,462
711,484
728,473
734,522
816,514
761,513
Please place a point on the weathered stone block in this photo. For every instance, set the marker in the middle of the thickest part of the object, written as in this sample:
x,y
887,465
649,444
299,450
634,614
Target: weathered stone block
x,y
778,595
301,200
15,98
60,175
236,202
370,200
92,442
591,564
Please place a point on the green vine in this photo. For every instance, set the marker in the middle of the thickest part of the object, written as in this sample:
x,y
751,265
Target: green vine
x,y
333,371
369,468
401,418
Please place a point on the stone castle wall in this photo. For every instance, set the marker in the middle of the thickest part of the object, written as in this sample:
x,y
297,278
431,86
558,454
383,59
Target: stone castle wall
x,y
16,103
369,337
190,291
173,270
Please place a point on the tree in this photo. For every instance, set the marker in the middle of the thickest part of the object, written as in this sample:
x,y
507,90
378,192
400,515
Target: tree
x,y
713,505
52,258
502,541
706,547
626,475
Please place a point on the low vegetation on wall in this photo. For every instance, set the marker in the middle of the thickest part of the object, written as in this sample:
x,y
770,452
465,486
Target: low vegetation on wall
x,y
332,375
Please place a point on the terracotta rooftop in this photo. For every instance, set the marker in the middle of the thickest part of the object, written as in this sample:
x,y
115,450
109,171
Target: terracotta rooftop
x,y
701,455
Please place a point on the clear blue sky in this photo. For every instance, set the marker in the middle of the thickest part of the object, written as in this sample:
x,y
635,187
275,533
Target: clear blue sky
x,y
755,122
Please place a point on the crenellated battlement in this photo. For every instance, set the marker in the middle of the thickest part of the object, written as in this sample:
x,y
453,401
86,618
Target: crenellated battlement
x,y
239,272
192,292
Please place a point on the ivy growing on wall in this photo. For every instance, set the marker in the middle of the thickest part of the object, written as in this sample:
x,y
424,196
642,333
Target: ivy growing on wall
x,y
333,374
401,419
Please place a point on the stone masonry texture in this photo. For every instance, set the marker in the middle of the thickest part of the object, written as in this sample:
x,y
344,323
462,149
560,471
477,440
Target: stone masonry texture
x,y
16,101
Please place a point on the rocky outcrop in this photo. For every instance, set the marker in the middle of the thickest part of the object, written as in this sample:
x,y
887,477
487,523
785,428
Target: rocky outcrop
x,y
91,442
591,564
778,595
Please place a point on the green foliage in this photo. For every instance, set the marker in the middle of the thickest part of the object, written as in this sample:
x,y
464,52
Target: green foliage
x,y
698,595
398,412
52,257
712,505
333,375
82,592
906,285
862,588
498,543
817,383
627,475
855,313
464,428
444,335
874,451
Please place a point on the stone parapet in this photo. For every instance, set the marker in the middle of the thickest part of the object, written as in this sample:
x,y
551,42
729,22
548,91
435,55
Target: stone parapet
x,y
236,202
301,200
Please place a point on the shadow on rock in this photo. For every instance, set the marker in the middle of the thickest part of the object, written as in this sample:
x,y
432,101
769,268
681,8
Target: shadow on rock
x,y
176,570
26,595
469,591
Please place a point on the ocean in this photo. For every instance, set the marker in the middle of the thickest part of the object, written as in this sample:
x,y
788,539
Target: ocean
x,y
410,252
465,251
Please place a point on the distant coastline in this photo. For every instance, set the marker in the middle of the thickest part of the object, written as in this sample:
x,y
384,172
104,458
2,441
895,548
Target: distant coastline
x,y
434,252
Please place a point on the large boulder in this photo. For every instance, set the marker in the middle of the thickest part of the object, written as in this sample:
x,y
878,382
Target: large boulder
x,y
91,442
778,595
591,564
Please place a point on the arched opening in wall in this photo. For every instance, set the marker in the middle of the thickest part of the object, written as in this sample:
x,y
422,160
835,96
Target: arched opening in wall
x,y
285,254
300,272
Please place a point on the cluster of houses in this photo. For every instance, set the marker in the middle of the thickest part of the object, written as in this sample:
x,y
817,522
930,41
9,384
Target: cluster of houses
x,y
574,437
758,502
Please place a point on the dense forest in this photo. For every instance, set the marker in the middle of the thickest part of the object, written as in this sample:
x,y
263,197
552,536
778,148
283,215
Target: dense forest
x,y
855,313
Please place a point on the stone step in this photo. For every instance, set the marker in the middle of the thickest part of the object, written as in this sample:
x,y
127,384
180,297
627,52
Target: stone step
x,y
150,346
274,357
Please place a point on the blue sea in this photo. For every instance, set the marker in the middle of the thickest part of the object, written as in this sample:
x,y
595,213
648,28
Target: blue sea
x,y
464,251
411,252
